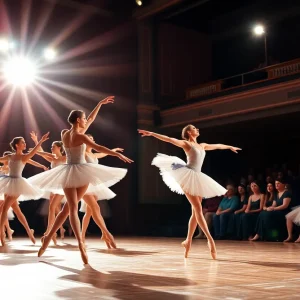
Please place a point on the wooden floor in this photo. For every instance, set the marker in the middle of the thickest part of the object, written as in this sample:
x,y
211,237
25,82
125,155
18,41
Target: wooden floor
x,y
150,268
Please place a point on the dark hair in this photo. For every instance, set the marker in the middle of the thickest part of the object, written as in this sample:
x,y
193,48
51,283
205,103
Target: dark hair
x,y
257,183
282,180
74,115
60,145
243,186
269,196
14,142
184,133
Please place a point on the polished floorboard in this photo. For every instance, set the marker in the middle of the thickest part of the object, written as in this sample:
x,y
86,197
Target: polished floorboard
x,y
150,268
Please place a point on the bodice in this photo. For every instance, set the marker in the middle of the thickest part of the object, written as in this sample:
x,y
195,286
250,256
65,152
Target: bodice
x,y
195,158
76,155
16,167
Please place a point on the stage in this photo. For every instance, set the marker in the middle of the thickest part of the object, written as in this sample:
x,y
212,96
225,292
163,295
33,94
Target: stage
x,y
150,268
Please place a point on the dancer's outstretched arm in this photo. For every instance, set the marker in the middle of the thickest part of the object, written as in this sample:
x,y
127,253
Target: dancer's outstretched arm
x,y
86,140
4,158
179,143
91,118
101,155
209,147
29,155
38,165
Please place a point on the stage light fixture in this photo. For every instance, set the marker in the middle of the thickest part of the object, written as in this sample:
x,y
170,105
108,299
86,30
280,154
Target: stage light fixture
x,y
50,54
19,71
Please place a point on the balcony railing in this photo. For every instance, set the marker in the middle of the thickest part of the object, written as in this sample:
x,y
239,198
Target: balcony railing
x,y
259,75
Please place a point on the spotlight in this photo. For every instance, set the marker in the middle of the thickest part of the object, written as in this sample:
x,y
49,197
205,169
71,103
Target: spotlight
x,y
50,53
259,30
19,71
139,2
6,45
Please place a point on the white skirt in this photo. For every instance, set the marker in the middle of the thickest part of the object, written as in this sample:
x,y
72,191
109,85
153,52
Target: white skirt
x,y
100,192
77,175
19,186
181,179
294,215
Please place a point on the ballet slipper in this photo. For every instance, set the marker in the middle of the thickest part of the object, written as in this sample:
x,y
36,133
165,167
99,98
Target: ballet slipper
x,y
54,239
212,249
83,254
31,236
2,239
44,245
187,245
10,234
109,240
288,240
62,233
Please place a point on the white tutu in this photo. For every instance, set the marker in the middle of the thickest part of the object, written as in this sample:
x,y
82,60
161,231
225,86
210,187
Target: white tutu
x,y
100,192
77,175
16,186
47,195
182,179
294,215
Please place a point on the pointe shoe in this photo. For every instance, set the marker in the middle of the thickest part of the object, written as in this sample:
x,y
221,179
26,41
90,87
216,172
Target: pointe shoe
x,y
44,246
187,245
109,241
297,240
62,233
2,240
54,239
212,248
31,236
83,254
10,234
288,240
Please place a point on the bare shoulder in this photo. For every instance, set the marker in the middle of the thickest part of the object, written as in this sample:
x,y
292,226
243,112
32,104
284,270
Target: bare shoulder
x,y
203,145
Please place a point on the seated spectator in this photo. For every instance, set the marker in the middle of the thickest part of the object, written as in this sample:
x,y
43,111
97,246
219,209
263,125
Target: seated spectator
x,y
235,224
270,196
254,207
209,207
271,222
227,207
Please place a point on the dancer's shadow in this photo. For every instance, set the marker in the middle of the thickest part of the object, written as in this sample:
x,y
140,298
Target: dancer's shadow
x,y
122,252
8,250
120,285
12,260
283,265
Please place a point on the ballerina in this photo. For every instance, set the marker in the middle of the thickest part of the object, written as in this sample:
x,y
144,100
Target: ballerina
x,y
75,177
94,194
188,179
56,158
14,185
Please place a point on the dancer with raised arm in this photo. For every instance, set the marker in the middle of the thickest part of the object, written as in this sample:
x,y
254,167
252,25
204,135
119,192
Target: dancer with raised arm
x,y
94,194
187,178
75,176
56,158
14,185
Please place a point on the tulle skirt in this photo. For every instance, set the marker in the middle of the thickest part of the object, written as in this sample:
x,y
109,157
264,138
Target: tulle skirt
x,y
77,175
100,192
181,179
294,215
19,186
